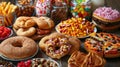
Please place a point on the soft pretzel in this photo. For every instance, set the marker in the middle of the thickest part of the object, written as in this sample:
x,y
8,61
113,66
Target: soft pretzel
x,y
34,27
26,32
24,22
44,22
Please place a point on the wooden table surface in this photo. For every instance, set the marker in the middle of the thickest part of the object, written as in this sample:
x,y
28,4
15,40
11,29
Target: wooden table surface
x,y
114,62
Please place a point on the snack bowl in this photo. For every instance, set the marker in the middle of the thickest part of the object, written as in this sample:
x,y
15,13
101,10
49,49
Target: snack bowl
x,y
76,27
36,62
6,34
81,37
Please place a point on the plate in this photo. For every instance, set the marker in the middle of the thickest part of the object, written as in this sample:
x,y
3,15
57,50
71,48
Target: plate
x,y
20,59
95,30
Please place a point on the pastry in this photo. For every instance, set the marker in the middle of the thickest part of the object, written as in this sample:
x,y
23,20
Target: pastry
x,y
104,44
79,59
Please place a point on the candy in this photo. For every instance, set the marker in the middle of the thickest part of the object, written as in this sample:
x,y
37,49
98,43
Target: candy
x,y
81,8
42,7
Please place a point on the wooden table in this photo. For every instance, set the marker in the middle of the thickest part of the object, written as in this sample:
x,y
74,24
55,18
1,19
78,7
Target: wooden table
x,y
114,62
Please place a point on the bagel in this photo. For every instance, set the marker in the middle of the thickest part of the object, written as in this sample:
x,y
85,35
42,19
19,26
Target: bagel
x,y
44,22
24,22
26,32
18,47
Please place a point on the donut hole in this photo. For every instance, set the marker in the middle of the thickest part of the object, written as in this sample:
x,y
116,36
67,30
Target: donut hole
x,y
17,44
57,48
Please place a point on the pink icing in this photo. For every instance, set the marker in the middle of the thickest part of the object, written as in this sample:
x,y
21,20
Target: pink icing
x,y
107,13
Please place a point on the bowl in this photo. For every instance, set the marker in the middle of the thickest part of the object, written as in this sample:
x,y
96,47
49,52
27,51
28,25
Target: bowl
x,y
11,33
81,37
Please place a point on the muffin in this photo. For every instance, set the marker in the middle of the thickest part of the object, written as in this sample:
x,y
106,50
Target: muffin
x,y
106,18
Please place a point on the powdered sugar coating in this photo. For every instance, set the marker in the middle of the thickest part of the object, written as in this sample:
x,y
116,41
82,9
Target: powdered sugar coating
x,y
107,13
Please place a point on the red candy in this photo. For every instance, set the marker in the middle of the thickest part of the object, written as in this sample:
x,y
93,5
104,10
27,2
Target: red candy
x,y
4,32
24,64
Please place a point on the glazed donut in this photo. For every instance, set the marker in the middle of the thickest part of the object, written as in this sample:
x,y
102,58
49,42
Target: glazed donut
x,y
57,45
44,22
18,47
24,22
26,32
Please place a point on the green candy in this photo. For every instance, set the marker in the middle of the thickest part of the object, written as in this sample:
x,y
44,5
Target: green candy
x,y
87,9
81,9
80,1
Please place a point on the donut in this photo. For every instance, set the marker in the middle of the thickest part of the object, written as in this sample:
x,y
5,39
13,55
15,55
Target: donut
x,y
57,45
44,22
18,47
26,32
24,22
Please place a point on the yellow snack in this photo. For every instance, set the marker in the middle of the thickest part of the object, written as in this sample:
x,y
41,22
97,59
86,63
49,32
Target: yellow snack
x,y
76,27
6,10
7,7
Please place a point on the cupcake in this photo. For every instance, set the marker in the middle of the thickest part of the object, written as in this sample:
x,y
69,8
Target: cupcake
x,y
106,18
